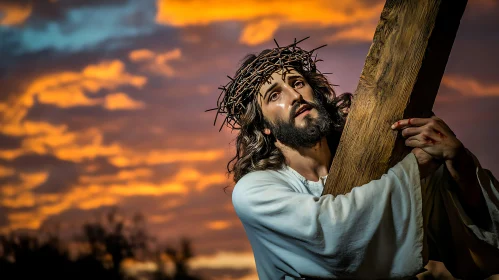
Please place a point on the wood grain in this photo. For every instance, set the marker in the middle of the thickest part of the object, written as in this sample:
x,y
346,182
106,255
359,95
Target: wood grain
x,y
400,79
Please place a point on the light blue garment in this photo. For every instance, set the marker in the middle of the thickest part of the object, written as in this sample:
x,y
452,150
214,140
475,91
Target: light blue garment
x,y
375,231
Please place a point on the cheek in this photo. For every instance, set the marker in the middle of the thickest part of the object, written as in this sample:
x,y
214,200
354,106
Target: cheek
x,y
278,109
308,93
303,122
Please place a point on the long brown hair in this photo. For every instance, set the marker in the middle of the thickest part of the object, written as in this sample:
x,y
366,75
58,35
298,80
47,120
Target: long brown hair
x,y
256,150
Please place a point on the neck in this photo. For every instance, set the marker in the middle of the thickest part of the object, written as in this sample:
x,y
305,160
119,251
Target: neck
x,y
312,163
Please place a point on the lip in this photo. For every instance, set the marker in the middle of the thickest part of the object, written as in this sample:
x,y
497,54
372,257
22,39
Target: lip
x,y
303,109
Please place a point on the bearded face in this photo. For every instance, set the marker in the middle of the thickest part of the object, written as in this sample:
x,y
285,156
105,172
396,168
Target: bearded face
x,y
292,112
306,136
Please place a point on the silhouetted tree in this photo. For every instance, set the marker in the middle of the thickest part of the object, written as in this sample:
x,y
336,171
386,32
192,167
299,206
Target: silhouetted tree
x,y
180,259
109,241
46,256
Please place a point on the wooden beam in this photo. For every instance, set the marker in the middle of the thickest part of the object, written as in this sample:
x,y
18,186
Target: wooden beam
x,y
400,79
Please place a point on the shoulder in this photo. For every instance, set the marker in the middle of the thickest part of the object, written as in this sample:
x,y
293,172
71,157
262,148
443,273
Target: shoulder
x,y
262,177
258,186
256,180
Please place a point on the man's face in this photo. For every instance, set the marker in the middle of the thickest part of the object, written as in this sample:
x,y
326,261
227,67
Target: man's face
x,y
291,111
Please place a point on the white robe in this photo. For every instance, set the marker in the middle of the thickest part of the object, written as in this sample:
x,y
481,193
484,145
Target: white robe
x,y
375,231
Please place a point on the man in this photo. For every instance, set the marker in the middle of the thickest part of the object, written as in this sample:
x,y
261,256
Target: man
x,y
289,121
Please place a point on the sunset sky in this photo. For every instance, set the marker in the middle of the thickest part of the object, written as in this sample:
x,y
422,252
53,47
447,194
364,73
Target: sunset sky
x,y
102,104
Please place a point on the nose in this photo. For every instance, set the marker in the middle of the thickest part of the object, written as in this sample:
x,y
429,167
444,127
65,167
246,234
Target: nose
x,y
294,95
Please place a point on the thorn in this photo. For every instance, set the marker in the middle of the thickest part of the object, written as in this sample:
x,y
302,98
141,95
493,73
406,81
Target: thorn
x,y
276,43
302,40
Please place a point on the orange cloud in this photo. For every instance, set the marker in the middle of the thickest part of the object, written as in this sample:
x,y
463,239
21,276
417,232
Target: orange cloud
x,y
10,154
14,14
218,225
469,86
27,182
141,55
26,199
260,15
166,156
6,172
191,38
357,33
159,219
30,128
95,191
202,180
134,268
105,75
224,260
90,147
147,188
68,89
120,176
121,101
259,32
97,202
171,203
44,138
156,62
197,12
25,220
220,260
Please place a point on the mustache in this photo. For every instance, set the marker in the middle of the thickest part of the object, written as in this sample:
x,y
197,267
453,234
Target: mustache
x,y
297,105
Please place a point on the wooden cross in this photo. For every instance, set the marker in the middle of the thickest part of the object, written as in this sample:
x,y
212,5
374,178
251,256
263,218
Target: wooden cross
x,y
400,79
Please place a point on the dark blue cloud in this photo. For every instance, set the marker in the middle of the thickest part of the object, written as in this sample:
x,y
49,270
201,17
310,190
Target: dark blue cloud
x,y
79,27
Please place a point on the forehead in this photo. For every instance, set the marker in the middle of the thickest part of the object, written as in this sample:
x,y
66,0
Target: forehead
x,y
276,77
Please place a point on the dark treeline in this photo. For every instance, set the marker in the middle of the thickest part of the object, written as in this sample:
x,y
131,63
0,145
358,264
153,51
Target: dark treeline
x,y
106,245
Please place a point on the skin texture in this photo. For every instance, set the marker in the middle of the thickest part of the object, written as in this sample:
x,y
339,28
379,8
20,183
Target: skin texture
x,y
276,100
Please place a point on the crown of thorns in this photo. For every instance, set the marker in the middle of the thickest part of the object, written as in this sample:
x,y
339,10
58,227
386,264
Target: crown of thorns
x,y
246,84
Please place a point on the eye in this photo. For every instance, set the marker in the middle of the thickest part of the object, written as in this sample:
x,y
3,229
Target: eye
x,y
274,96
298,84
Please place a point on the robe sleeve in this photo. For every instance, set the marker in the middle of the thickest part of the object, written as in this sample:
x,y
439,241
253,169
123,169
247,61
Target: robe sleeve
x,y
375,231
469,250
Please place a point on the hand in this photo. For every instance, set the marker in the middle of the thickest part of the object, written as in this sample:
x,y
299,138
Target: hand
x,y
432,135
426,163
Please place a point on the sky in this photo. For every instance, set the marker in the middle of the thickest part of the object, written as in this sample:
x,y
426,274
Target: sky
x,y
102,105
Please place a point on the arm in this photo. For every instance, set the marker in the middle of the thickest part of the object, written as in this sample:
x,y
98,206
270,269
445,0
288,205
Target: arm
x,y
467,200
463,171
375,230
434,136
467,243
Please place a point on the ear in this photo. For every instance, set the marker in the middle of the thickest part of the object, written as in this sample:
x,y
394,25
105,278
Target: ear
x,y
266,131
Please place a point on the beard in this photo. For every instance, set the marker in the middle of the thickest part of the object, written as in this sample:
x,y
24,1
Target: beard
x,y
302,137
